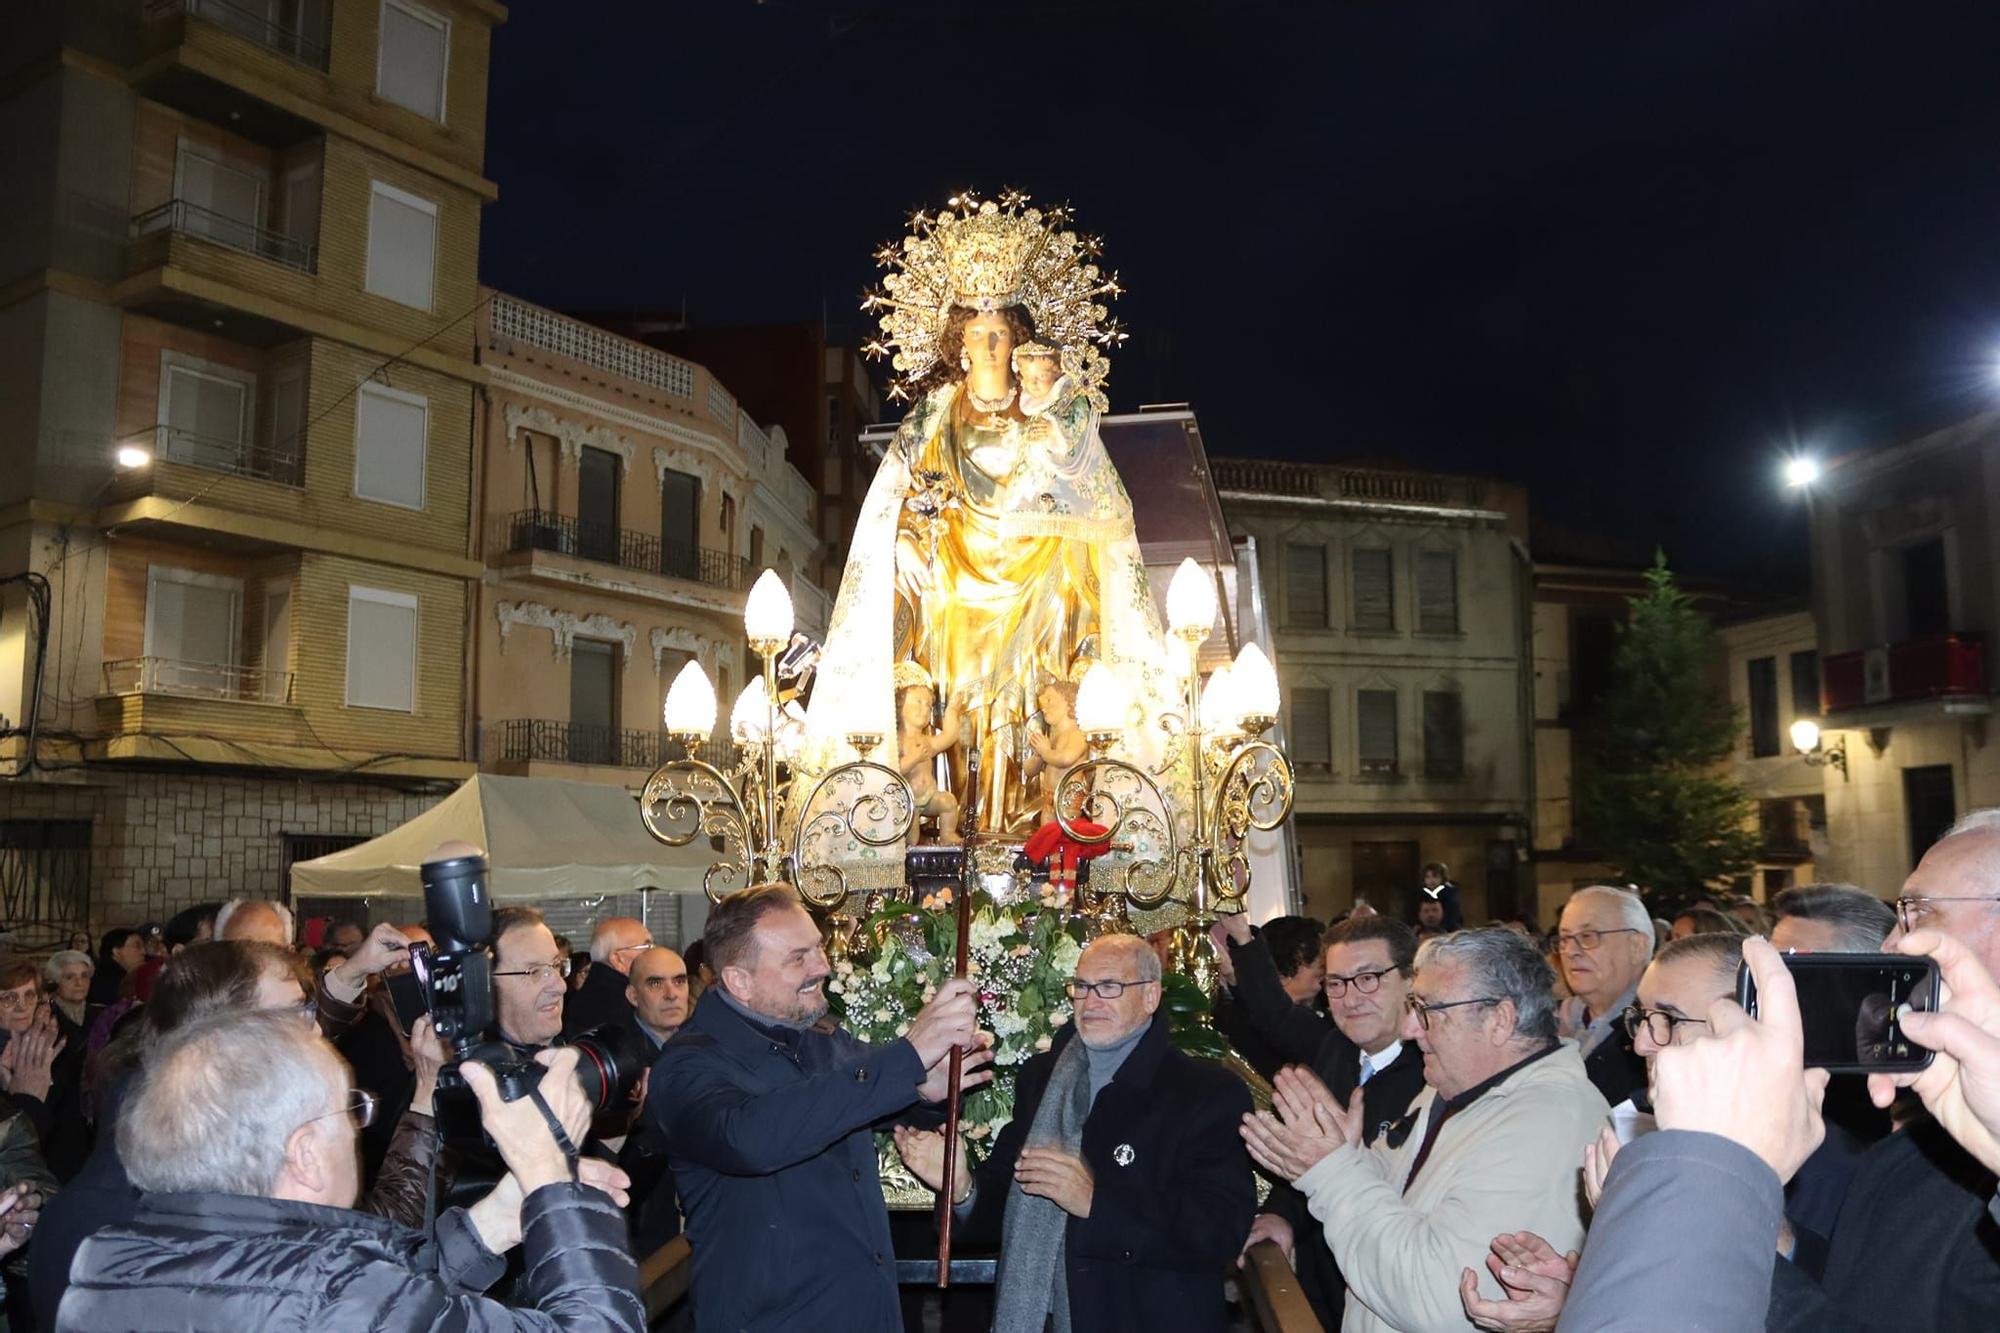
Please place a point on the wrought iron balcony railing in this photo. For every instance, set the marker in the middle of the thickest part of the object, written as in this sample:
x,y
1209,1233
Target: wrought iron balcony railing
x,y
242,458
542,530
545,740
258,26
183,218
196,680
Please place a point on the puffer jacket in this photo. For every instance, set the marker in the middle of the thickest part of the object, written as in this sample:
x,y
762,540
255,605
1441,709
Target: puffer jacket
x,y
230,1261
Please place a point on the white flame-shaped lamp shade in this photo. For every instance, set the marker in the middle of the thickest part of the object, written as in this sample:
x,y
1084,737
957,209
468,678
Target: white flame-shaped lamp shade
x,y
1218,701
690,709
1805,735
767,615
1190,601
1100,702
1254,684
750,719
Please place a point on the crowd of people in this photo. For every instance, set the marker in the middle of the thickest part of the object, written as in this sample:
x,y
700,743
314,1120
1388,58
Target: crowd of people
x,y
207,1124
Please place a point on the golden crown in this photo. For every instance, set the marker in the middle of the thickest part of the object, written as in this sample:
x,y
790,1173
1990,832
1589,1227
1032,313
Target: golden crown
x,y
908,672
986,255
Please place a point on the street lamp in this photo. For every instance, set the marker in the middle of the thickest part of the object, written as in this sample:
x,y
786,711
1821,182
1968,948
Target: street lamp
x,y
131,457
1801,471
1806,740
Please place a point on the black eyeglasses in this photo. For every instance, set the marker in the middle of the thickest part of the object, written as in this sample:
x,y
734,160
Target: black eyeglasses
x,y
1658,1024
539,971
1588,940
1365,982
1913,909
1423,1009
1110,990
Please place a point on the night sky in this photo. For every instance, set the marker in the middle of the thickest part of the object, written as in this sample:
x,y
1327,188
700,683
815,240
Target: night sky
x,y
1624,253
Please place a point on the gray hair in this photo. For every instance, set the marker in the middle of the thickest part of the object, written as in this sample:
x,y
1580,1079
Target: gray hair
x,y
1975,821
1860,920
604,936
218,1100
1501,964
1145,962
1631,910
53,969
228,910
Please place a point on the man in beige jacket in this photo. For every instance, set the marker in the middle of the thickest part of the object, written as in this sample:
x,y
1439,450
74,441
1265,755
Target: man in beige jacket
x,y
1492,1145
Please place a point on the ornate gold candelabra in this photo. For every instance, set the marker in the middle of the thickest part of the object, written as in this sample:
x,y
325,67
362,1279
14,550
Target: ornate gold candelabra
x,y
765,835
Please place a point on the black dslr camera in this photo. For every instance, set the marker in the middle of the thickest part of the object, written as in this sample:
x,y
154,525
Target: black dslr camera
x,y
457,978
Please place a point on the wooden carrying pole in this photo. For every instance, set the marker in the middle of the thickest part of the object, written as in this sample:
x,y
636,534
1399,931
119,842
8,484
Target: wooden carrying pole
x,y
962,901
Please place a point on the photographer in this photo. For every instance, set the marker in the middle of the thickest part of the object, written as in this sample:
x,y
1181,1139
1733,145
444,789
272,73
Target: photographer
x,y
242,1133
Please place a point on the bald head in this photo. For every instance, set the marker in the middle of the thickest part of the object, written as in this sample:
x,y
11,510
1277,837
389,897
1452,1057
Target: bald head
x,y
269,923
618,940
451,851
1964,865
657,990
1128,962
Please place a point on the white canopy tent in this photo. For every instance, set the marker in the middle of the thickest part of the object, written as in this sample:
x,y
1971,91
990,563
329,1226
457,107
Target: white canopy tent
x,y
546,840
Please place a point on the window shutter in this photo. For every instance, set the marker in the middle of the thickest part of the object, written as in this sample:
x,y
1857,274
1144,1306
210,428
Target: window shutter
x,y
1311,735
402,247
1444,734
1805,684
389,446
1763,673
411,71
1305,586
1376,732
381,650
1437,592
1374,600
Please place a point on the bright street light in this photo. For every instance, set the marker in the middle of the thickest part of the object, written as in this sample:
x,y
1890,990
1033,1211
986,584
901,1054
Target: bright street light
x,y
1801,470
131,456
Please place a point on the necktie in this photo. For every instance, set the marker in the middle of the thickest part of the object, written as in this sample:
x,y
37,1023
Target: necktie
x,y
1367,1069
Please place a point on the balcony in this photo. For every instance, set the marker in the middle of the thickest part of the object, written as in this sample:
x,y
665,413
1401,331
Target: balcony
x,y
1321,482
180,218
196,680
253,25
238,458
541,740
541,530
1942,674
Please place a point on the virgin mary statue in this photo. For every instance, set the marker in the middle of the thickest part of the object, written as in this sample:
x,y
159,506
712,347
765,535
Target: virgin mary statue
x,y
994,553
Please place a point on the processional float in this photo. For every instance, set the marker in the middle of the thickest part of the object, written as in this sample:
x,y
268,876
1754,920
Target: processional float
x,y
994,565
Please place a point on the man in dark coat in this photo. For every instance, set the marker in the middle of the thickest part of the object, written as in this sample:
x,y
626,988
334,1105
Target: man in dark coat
x,y
1368,961
766,1112
614,943
1120,1190
1292,943
241,1135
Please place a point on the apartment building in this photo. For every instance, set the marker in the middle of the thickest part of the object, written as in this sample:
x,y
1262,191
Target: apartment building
x,y
1400,612
1772,661
626,503
241,379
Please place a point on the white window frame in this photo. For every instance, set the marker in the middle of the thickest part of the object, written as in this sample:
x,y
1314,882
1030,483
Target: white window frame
x,y
416,400
381,597
216,157
434,19
171,361
415,201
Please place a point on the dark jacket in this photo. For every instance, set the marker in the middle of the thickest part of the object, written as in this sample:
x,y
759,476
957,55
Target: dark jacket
x,y
767,1131
1615,1068
229,1261
1914,1247
599,1000
1172,1196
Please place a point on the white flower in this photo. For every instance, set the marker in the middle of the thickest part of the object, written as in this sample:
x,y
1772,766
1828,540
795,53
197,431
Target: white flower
x,y
883,1015
833,987
1043,1043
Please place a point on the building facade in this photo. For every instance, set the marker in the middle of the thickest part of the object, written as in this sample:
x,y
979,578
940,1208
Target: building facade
x,y
1905,601
1772,660
1400,612
625,505
245,251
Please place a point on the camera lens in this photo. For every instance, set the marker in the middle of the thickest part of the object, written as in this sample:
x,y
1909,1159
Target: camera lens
x,y
608,1063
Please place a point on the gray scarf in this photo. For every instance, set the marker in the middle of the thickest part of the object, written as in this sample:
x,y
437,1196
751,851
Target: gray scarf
x,y
1034,1230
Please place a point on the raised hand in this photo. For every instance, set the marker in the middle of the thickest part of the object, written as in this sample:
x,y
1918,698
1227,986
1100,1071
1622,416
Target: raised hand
x,y
973,1070
1962,1086
949,1020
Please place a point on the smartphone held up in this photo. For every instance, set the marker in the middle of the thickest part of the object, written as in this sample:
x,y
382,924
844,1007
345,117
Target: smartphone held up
x,y
1851,1007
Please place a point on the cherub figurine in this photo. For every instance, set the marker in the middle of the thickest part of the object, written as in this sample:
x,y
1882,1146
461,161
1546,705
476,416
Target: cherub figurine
x,y
1062,746
917,747
1039,370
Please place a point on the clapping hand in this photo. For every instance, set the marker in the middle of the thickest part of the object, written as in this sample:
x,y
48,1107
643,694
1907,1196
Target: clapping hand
x,y
1597,1159
27,1065
1535,1281
1962,1086
1308,1125
922,1150
20,1209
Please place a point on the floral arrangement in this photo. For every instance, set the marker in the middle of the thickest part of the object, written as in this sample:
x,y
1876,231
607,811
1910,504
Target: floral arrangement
x,y
1023,951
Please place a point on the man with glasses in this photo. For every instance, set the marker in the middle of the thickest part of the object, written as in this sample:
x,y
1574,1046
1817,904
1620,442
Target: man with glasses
x,y
241,1134
1491,1146
529,976
1604,942
1118,1193
614,944
1368,961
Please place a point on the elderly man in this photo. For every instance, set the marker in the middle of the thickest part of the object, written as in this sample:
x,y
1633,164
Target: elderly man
x,y
1368,963
1604,941
528,978
1492,1145
614,944
1917,1205
251,919
657,990
241,1135
1830,918
1118,1192
766,1113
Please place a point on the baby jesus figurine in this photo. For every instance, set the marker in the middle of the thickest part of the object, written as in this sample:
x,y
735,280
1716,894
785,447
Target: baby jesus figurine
x,y
917,749
1060,748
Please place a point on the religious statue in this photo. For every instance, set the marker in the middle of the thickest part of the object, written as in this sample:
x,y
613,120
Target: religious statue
x,y
995,549
918,745
1056,749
